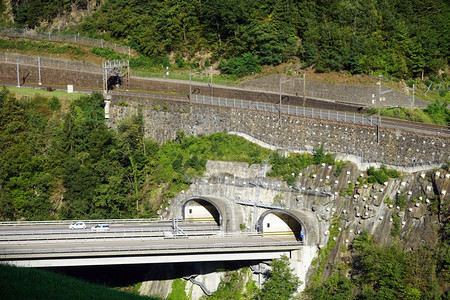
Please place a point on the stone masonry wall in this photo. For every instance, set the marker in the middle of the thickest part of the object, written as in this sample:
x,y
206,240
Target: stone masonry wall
x,y
397,148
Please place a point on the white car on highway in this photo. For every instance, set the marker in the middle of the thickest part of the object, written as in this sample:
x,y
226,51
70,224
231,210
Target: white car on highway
x,y
100,228
77,225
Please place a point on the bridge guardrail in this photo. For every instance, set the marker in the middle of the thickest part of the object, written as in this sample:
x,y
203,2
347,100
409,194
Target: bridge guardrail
x,y
95,221
112,231
154,247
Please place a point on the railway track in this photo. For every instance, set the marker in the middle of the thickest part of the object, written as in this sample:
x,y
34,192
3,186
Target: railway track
x,y
432,129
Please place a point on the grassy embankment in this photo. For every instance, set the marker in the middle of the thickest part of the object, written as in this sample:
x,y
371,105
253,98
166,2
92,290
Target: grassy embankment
x,y
27,283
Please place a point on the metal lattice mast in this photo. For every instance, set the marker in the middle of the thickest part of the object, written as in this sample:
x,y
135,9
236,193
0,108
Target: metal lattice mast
x,y
113,73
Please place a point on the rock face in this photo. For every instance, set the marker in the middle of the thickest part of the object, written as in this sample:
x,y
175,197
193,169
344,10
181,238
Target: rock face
x,y
405,208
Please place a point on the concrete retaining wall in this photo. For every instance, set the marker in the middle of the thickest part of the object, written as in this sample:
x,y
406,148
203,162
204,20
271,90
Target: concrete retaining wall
x,y
49,77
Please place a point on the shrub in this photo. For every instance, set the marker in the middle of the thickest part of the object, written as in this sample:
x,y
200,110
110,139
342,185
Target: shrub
x,y
381,177
391,173
106,53
321,157
54,103
438,112
144,61
395,230
241,66
339,167
179,60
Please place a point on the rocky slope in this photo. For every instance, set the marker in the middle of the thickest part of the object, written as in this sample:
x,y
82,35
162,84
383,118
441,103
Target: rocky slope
x,y
409,209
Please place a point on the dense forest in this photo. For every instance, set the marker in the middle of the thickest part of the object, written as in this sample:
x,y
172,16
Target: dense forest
x,y
400,38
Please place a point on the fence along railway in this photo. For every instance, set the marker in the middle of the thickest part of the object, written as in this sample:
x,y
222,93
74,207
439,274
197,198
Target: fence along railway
x,y
296,110
223,96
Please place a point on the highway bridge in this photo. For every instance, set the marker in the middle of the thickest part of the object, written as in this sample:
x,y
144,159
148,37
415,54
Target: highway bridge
x,y
34,245
209,230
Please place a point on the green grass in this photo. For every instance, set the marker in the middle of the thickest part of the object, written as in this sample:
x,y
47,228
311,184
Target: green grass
x,y
27,283
178,290
30,92
42,46
178,74
419,115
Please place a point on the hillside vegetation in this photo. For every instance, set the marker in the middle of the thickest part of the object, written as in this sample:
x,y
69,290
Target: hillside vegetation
x,y
403,39
69,165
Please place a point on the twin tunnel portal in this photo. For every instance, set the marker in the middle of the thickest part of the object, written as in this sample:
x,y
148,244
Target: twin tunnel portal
x,y
231,218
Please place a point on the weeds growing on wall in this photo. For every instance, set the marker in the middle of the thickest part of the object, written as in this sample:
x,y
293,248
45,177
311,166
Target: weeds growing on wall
x,y
382,175
178,290
321,260
289,167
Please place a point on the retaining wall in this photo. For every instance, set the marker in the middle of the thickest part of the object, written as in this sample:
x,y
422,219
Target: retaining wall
x,y
397,148
29,74
88,76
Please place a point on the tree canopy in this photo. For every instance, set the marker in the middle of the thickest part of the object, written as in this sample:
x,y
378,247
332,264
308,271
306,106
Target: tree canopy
x,y
402,38
56,165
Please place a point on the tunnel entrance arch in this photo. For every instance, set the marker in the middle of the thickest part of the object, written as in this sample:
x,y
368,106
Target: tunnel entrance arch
x,y
200,209
282,223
